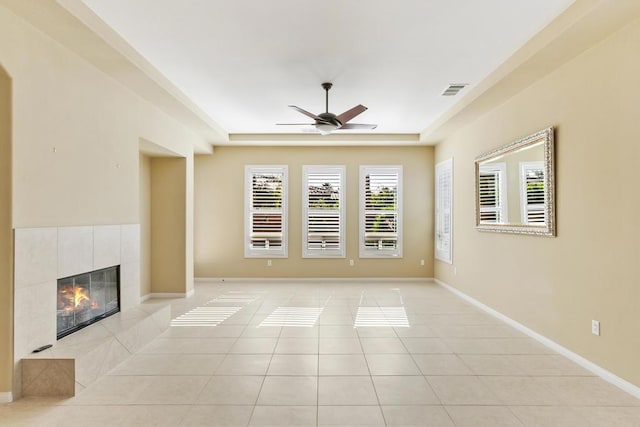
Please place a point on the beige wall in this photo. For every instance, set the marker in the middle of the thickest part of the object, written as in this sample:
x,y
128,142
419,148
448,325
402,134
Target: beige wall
x,y
591,270
75,143
145,224
168,225
219,212
76,134
189,226
6,236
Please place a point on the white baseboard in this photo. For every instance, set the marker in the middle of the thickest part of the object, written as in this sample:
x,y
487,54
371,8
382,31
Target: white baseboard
x,y
587,364
6,397
312,279
166,295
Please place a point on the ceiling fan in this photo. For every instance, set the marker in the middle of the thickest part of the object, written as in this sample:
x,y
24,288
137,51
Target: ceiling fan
x,y
327,122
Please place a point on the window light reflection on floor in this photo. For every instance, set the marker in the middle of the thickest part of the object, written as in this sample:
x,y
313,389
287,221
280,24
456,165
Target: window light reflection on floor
x,y
293,316
382,316
205,316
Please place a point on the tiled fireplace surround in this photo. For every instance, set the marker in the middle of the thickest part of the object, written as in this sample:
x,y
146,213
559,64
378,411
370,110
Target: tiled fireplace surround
x,y
43,255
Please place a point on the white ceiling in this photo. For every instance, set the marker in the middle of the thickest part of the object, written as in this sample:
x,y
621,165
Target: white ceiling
x,y
243,61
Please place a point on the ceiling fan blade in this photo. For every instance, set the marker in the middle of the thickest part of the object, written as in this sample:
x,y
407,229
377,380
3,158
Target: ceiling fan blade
x,y
358,126
305,112
350,114
295,124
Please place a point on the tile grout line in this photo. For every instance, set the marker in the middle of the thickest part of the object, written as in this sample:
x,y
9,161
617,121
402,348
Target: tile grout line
x,y
264,377
373,384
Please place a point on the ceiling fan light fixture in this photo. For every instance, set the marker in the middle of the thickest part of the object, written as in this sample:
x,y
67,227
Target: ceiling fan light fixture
x,y
326,128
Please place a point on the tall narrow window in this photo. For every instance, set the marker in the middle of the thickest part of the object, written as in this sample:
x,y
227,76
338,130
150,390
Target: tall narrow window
x,y
493,193
532,192
444,201
380,211
323,207
266,211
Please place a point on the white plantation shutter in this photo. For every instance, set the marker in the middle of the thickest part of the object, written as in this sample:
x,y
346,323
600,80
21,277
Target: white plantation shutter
x,y
265,217
492,193
380,211
444,201
323,207
532,192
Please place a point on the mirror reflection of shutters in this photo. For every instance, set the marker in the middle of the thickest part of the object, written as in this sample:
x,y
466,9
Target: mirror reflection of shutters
x,y
489,187
532,178
324,210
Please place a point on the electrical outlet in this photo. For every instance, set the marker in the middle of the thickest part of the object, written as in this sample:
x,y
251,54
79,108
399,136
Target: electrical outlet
x,y
421,262
351,263
455,271
595,327
268,263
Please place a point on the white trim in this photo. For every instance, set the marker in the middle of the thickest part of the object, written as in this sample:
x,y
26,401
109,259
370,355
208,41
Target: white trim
x,y
587,364
6,397
441,211
249,171
166,295
373,253
341,171
217,280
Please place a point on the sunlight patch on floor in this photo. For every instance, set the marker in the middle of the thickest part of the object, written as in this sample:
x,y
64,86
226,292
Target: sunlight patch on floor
x,y
293,316
205,316
382,316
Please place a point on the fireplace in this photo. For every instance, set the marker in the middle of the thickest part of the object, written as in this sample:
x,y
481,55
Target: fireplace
x,y
87,298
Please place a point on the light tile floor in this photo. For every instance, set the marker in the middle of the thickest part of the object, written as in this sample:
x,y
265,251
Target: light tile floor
x,y
276,354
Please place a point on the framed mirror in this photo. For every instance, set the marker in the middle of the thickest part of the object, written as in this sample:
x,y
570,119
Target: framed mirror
x,y
515,188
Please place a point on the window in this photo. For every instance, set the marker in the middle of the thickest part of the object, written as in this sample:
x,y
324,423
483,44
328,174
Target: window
x,y
323,207
444,200
266,211
532,192
493,193
380,211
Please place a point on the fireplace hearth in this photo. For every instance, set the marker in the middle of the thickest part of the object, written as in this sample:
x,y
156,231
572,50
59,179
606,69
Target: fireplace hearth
x,y
87,298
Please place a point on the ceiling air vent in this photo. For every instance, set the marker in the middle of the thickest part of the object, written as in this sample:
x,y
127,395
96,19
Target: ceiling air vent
x,y
454,88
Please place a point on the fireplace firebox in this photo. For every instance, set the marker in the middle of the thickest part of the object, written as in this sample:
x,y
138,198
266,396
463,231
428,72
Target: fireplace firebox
x,y
87,298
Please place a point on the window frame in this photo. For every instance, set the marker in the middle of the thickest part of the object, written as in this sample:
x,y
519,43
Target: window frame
x,y
443,242
307,170
277,252
364,251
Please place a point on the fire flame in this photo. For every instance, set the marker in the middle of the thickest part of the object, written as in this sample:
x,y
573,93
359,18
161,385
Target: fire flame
x,y
80,295
75,296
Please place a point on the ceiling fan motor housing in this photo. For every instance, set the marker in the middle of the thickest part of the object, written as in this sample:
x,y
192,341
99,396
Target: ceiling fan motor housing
x,y
329,118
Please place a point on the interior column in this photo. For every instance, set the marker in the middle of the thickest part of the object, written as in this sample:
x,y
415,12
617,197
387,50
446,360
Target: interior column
x,y
171,247
6,241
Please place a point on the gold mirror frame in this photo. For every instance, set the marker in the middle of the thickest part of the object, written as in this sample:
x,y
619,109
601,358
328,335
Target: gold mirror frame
x,y
549,228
